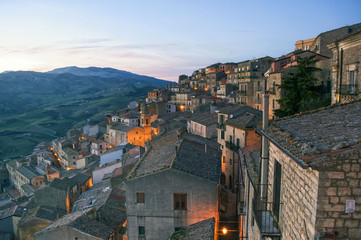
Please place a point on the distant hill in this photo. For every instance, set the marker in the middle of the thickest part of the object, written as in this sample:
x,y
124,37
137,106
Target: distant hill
x,y
105,73
39,106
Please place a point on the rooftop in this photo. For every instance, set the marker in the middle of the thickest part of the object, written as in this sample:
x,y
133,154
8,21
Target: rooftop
x,y
28,172
251,159
42,212
310,135
200,157
130,115
28,189
70,151
246,121
80,178
160,155
63,184
11,211
82,223
238,110
201,230
94,197
195,155
206,119
120,127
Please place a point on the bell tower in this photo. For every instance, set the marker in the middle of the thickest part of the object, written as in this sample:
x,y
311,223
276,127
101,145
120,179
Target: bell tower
x,y
145,123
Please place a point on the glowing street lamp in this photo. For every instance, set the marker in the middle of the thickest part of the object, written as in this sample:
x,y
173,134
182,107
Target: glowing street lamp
x,y
224,230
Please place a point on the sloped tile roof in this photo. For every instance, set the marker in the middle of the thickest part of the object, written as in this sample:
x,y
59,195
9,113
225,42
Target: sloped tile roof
x,y
307,135
201,230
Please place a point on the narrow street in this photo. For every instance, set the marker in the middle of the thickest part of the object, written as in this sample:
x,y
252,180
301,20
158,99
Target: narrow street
x,y
228,218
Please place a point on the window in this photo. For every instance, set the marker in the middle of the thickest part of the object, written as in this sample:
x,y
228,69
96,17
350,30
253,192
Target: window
x,y
238,143
140,197
230,139
224,159
141,231
180,201
352,82
277,189
222,134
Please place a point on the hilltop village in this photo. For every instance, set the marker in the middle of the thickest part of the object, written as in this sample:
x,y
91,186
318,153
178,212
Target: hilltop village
x,y
206,158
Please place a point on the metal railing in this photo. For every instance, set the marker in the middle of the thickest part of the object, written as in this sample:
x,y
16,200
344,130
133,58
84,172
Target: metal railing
x,y
221,126
232,147
265,219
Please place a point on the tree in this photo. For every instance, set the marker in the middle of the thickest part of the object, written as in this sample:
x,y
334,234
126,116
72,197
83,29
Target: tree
x,y
298,89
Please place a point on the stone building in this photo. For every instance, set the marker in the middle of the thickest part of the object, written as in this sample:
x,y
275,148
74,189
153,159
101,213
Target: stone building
x,y
252,80
236,126
174,185
4,176
98,147
345,64
204,125
117,133
79,225
309,184
108,205
320,43
131,119
205,230
62,193
9,218
37,218
24,178
213,80
304,44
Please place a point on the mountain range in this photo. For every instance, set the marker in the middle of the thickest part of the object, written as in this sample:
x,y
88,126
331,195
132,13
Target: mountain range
x,y
39,106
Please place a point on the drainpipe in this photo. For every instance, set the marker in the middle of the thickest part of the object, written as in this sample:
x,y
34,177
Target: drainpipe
x,y
265,147
341,66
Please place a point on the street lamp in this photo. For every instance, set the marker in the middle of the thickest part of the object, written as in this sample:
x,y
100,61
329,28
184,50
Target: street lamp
x,y
224,230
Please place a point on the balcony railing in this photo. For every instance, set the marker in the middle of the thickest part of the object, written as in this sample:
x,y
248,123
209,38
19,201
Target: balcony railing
x,y
221,126
349,89
266,222
232,147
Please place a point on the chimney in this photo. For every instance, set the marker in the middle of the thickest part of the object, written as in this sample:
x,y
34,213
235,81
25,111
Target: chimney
x,y
265,147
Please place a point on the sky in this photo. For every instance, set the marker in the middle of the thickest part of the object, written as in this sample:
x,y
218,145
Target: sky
x,y
162,39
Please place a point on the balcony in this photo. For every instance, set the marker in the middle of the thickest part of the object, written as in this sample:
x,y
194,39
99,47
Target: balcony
x,y
350,89
221,126
232,147
265,219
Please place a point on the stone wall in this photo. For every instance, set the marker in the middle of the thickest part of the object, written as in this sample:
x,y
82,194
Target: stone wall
x,y
298,196
157,214
340,180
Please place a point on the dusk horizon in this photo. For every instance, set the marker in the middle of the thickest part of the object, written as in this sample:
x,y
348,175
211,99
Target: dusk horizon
x,y
163,39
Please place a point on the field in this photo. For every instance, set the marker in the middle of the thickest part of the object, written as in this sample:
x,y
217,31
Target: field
x,y
19,133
